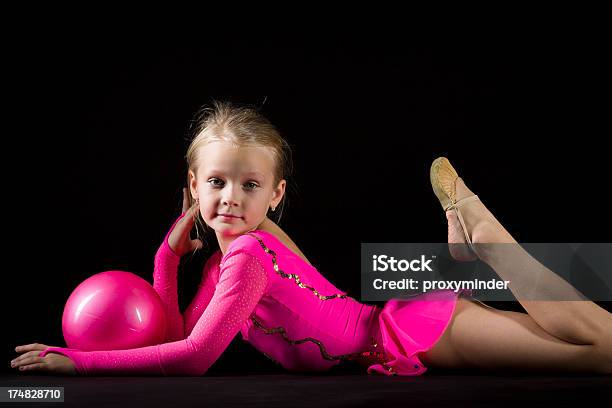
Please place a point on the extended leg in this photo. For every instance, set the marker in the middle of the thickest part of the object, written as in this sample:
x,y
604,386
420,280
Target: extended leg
x,y
498,340
575,321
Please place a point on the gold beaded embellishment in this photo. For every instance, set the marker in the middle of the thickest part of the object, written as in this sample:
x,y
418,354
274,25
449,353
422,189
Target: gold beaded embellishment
x,y
294,276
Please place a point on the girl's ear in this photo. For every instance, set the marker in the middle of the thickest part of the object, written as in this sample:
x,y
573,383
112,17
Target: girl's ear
x,y
279,192
193,185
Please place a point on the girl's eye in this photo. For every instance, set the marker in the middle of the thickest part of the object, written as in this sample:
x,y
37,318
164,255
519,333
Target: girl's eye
x,y
218,183
212,181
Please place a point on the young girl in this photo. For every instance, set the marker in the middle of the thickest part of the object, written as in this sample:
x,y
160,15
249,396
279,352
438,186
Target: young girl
x,y
260,284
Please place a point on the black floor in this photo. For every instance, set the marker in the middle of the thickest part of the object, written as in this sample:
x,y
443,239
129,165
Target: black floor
x,y
338,390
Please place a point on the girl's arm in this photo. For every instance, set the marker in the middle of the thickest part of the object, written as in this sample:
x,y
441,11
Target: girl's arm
x,y
165,284
166,265
242,283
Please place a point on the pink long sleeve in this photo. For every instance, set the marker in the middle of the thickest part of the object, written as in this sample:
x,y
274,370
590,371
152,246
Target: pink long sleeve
x,y
242,283
204,294
165,284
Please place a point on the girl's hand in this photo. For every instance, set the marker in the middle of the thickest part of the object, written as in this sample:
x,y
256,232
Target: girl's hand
x,y
179,239
52,362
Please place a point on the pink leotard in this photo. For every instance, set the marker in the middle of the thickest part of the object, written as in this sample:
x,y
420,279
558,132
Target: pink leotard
x,y
285,308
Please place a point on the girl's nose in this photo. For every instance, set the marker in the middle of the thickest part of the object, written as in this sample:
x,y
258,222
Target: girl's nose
x,y
231,196
230,202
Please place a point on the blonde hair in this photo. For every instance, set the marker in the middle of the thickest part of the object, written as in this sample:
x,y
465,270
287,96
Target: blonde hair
x,y
242,126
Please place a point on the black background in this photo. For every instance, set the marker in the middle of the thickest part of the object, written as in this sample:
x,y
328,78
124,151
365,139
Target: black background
x,y
97,128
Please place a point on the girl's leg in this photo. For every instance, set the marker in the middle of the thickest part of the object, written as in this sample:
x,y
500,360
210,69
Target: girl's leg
x,y
574,321
486,338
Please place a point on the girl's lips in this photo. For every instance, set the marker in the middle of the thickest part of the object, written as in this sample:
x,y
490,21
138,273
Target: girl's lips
x,y
228,215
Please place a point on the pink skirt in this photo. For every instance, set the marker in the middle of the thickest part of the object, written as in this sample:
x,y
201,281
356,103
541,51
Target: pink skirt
x,y
407,327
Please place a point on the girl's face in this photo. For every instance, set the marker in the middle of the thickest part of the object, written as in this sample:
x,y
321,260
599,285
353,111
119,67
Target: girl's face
x,y
235,186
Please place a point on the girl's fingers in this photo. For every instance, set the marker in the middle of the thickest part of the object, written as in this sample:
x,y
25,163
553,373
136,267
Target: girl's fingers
x,y
28,347
186,223
194,210
185,199
25,355
179,239
29,351
31,359
32,367
196,244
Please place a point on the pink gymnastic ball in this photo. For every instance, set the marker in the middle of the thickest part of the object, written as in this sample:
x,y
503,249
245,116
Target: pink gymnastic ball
x,y
113,310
